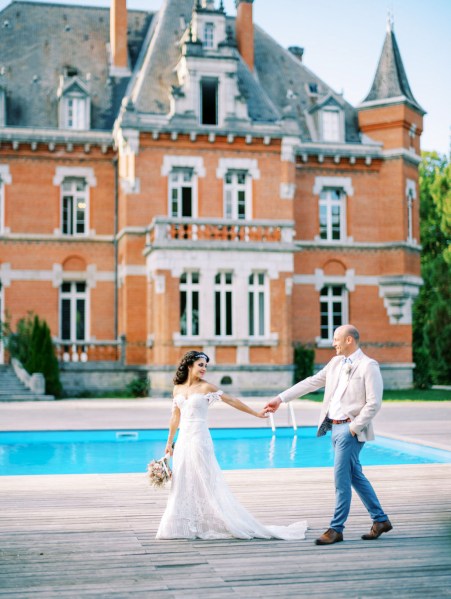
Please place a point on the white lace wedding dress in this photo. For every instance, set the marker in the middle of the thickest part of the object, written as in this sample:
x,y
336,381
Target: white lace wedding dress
x,y
200,503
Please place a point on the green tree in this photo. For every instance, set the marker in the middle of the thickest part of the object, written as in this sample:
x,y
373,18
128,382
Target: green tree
x,y
432,310
32,345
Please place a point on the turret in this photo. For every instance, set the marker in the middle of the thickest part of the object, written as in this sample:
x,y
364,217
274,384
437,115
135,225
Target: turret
x,y
390,113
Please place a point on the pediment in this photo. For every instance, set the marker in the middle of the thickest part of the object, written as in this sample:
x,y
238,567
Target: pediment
x,y
74,85
329,101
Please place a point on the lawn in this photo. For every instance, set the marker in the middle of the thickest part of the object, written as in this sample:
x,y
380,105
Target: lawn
x,y
403,395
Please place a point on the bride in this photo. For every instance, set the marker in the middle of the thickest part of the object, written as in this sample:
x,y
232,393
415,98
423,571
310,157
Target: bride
x,y
200,503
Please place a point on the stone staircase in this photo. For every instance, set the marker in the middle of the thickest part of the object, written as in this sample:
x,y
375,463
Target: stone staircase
x,y
12,389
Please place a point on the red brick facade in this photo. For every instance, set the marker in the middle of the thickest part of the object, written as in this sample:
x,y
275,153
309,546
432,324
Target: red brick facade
x,y
279,262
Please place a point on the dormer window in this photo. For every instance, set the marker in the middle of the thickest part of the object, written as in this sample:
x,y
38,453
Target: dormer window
x,y
209,33
209,101
328,117
313,88
330,124
75,112
70,72
75,103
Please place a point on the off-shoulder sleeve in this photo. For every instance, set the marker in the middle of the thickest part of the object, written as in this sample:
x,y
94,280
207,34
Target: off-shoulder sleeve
x,y
174,403
214,396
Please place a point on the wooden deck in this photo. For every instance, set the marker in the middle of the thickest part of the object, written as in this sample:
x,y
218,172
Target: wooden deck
x,y
93,536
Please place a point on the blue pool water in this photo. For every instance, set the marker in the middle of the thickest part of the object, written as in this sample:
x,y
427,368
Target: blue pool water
x,y
111,451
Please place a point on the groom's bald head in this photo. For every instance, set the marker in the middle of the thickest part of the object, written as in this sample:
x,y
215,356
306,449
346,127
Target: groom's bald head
x,y
348,330
346,340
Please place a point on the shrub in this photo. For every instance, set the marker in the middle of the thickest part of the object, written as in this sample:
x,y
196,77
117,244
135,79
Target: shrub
x,y
304,359
32,345
138,387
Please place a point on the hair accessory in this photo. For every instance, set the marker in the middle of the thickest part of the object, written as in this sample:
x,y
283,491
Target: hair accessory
x,y
201,355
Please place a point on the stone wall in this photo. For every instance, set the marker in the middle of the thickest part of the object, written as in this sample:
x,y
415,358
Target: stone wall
x,y
96,377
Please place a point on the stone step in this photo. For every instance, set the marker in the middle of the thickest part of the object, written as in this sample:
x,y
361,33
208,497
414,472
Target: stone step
x,y
12,389
9,390
24,397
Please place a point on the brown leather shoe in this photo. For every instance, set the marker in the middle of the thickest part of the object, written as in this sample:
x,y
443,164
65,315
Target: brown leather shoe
x,y
329,537
377,529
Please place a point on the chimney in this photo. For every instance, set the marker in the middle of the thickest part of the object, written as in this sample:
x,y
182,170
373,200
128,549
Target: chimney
x,y
245,31
118,35
297,51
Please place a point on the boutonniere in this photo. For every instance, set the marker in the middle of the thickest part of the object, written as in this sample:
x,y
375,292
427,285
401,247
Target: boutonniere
x,y
348,368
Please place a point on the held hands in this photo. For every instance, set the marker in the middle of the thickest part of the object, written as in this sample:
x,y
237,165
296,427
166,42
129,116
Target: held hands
x,y
262,414
272,406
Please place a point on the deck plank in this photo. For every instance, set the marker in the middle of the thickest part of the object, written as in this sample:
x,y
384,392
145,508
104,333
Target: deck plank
x,y
83,536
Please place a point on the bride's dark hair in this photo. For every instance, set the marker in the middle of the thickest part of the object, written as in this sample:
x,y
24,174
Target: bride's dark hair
x,y
188,359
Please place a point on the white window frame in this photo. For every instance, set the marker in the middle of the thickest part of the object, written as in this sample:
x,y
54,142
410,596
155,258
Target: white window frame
x,y
331,129
2,320
326,297
5,179
73,295
176,183
212,80
209,35
232,192
258,314
192,290
80,202
411,194
329,203
223,298
75,112
2,206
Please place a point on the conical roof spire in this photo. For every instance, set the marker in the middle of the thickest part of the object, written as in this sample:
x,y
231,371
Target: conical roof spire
x,y
390,81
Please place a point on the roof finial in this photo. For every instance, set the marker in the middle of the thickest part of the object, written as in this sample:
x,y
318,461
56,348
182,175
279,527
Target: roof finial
x,y
390,21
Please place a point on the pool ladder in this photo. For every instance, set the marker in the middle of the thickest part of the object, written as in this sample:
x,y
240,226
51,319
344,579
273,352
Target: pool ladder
x,y
292,416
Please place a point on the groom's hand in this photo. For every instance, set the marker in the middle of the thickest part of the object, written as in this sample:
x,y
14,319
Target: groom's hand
x,y
272,405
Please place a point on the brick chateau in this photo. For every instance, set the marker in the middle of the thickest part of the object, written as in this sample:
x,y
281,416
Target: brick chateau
x,y
177,180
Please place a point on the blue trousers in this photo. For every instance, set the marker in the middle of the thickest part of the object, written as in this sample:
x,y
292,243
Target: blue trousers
x,y
348,474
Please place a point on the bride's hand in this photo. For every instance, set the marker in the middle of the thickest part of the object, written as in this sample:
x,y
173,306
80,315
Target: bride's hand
x,y
169,449
262,414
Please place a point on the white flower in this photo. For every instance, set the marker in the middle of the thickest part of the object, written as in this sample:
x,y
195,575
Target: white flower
x,y
348,368
159,472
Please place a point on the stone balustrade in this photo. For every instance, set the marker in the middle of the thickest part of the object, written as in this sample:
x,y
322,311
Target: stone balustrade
x,y
164,230
91,351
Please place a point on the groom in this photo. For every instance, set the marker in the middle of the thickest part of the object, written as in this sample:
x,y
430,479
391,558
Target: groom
x,y
352,397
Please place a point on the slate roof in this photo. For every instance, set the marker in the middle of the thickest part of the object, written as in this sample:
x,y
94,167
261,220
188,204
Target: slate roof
x,y
390,80
286,80
150,88
38,40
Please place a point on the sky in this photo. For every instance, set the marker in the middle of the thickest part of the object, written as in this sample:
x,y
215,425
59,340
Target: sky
x,y
342,41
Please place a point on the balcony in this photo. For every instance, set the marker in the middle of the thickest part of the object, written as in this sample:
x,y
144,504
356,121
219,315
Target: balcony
x,y
165,232
91,351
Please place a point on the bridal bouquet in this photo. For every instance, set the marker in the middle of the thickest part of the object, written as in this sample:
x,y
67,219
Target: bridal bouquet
x,y
159,472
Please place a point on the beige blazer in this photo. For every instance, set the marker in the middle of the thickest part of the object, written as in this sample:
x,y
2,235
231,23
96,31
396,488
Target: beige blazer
x,y
361,399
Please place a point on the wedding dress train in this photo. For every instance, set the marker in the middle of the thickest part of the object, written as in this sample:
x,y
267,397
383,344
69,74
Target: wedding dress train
x,y
200,503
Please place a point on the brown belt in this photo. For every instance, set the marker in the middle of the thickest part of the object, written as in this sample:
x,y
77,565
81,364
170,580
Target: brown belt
x,y
340,421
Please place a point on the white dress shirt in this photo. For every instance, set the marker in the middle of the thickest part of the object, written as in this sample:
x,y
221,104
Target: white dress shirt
x,y
335,412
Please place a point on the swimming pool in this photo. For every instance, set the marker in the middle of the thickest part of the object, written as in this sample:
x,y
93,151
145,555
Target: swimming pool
x,y
115,451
